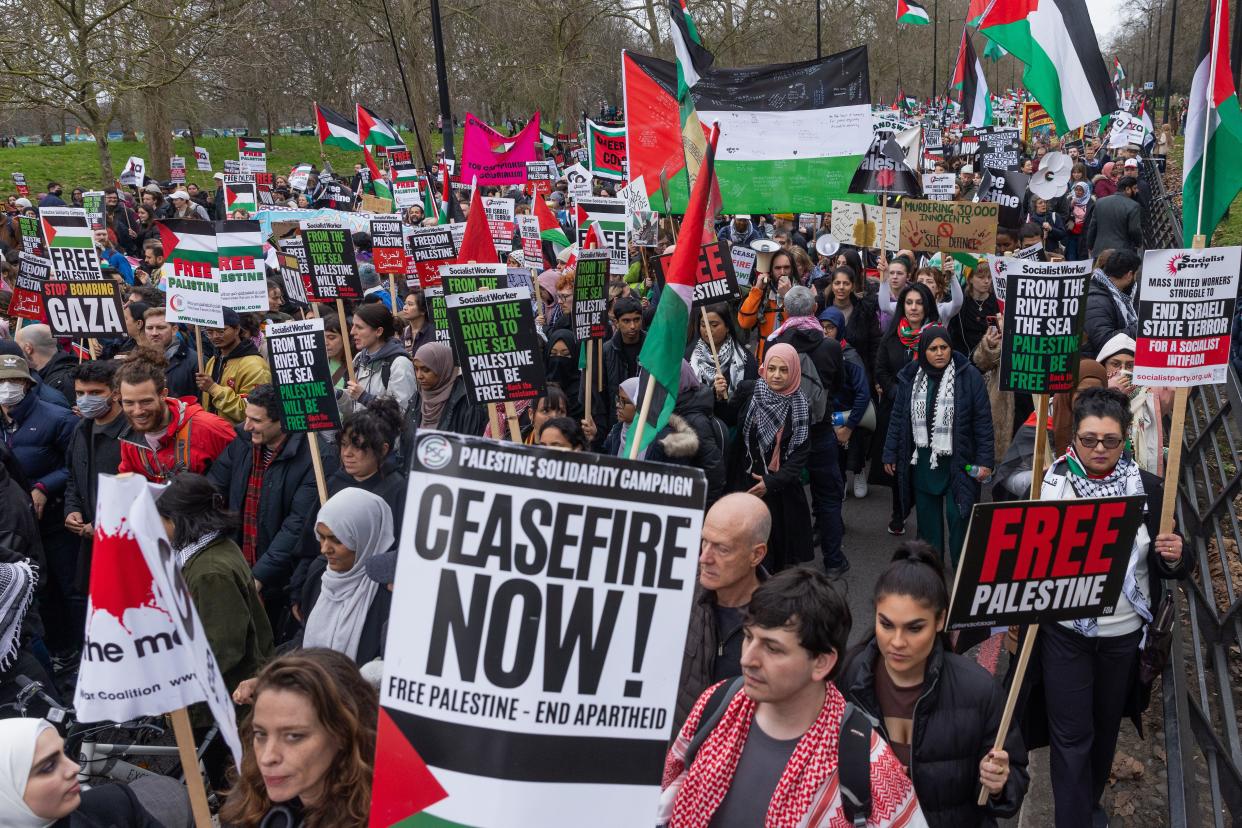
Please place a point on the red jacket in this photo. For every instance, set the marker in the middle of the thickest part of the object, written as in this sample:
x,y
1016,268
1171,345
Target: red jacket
x,y
193,440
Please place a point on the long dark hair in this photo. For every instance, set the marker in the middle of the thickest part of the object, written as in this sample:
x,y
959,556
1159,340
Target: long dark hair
x,y
725,312
195,508
916,572
931,314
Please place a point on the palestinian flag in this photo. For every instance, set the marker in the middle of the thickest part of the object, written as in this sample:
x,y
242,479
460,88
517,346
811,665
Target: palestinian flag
x,y
379,184
972,86
546,141
1119,74
605,150
665,346
549,228
374,131
912,13
975,13
245,145
792,134
693,60
1064,69
450,209
1145,117
993,51
190,247
1211,174
430,208
66,227
335,130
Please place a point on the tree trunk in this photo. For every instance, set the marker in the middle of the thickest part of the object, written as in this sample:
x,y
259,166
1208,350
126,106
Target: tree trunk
x,y
107,176
271,129
159,132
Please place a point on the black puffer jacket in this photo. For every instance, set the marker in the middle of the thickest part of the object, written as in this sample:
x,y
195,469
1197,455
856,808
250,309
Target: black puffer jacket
x,y
1102,320
955,723
691,439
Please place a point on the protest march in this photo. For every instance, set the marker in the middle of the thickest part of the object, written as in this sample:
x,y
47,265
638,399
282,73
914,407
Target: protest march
x,y
764,447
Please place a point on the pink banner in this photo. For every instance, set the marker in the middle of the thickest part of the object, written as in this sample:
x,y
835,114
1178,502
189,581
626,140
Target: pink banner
x,y
497,160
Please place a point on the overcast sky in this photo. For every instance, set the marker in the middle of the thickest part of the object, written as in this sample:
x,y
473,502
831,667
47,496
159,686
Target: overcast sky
x,y
1104,19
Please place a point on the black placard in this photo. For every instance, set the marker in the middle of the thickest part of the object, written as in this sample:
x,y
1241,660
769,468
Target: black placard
x,y
298,356
387,244
429,248
83,308
1045,306
590,294
331,262
493,336
468,278
1005,189
715,280
1034,562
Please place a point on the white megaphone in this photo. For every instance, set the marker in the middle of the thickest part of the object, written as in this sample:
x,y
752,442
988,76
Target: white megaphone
x,y
1052,178
827,246
766,248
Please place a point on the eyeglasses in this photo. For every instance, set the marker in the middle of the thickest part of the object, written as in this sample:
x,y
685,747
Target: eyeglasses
x,y
1110,442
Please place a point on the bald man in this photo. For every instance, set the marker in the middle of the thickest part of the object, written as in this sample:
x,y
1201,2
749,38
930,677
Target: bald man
x,y
735,540
54,367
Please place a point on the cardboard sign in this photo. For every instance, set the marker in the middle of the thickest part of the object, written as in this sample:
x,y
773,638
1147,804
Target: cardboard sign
x,y
469,278
590,294
299,176
19,182
83,309
938,186
438,311
176,169
1045,307
251,155
388,244
32,240
534,672
743,264
948,226
1006,190
243,274
532,244
860,224
134,173
240,193
202,160
291,277
298,355
27,299
1187,303
609,214
493,335
500,213
635,197
93,204
1040,562
70,243
579,180
331,261
429,248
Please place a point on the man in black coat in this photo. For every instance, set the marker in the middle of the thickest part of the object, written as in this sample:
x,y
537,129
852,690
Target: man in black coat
x,y
182,358
281,496
620,354
1110,310
54,366
1117,220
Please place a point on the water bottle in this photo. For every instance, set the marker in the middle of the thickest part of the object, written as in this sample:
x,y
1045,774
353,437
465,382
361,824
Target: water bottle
x,y
977,473
838,419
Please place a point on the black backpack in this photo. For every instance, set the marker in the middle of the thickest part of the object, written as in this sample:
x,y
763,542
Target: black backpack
x,y
853,749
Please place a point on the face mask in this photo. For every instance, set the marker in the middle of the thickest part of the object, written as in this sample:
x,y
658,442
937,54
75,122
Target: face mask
x,y
11,393
92,405
561,367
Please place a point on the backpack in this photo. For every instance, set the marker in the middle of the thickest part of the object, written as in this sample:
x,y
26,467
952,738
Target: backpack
x,y
813,389
853,749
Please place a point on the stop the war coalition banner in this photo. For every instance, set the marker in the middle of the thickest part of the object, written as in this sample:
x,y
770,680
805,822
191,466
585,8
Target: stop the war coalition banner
x,y
551,591
1045,306
493,333
1033,562
1186,304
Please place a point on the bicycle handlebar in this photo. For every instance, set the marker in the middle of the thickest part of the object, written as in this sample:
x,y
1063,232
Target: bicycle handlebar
x,y
31,689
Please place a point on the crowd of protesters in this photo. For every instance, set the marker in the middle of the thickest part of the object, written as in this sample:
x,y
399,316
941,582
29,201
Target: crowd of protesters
x,y
834,375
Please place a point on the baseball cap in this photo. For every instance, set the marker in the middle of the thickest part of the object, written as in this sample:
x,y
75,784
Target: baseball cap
x,y
1131,163
180,194
14,367
23,203
153,188
218,176
968,168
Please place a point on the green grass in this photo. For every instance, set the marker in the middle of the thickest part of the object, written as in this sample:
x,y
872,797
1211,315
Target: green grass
x,y
77,164
1229,231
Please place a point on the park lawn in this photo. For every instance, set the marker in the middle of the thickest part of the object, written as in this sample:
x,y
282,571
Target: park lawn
x,y
76,164
1229,231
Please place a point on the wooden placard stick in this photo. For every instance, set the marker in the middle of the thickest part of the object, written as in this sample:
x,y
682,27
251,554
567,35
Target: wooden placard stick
x,y
189,767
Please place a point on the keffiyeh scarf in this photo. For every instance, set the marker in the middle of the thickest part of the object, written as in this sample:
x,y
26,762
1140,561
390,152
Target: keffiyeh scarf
x,y
941,438
732,362
1124,480
17,586
767,413
186,552
1122,303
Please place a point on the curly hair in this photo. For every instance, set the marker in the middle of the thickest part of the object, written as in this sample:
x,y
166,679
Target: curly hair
x,y
348,708
144,363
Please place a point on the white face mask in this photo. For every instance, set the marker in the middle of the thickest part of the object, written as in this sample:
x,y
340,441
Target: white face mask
x,y
12,392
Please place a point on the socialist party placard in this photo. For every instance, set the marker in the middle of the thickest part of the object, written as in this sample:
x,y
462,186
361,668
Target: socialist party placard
x,y
1187,302
1045,305
298,356
590,294
493,335
331,261
1035,562
552,592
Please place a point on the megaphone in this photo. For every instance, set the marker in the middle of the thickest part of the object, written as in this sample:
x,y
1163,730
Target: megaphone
x,y
766,248
827,246
1052,179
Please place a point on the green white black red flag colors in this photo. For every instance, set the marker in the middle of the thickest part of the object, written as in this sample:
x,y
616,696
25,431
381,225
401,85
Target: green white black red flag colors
x,y
912,12
69,242
972,86
240,193
549,228
243,274
605,150
791,134
191,273
374,131
1064,69
538,695
607,216
335,130
665,346
1211,171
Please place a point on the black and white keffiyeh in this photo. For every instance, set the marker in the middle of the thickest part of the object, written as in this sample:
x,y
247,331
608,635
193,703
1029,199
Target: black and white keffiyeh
x,y
768,411
732,362
941,439
17,587
1120,300
186,552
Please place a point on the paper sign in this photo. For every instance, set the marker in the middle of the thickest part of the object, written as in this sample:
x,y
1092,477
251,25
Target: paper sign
x,y
243,274
83,309
298,356
331,261
590,294
32,241
860,224
176,169
1187,303
135,172
438,311
579,180
1045,305
948,226
468,278
70,243
240,193
532,244
202,160
938,186
635,197
500,213
493,335
291,277
609,215
743,264
27,299
388,244
429,248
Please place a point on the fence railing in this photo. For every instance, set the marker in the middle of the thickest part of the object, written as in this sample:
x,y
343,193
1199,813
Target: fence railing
x,y
1162,225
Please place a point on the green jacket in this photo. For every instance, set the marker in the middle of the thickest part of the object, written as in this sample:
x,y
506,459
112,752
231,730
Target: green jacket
x,y
228,604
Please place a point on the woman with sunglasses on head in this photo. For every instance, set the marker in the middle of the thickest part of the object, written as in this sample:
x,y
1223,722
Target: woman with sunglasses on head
x,y
1088,667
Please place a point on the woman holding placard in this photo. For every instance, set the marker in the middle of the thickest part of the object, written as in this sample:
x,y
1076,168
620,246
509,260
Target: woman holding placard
x,y
1089,667
941,423
381,365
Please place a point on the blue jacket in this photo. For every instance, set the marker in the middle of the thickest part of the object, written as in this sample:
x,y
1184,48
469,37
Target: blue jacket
x,y
117,261
972,434
854,393
39,435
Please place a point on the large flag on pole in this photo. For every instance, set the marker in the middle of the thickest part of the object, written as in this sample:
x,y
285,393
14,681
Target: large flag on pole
x,y
1064,68
975,13
1119,74
379,184
335,130
912,12
549,228
693,60
374,131
1211,173
665,346
972,86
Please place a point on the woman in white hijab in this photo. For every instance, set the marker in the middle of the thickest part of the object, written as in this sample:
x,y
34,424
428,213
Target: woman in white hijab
x,y
39,784
350,612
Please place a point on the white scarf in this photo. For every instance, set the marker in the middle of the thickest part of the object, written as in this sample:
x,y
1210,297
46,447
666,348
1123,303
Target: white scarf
x,y
732,362
361,521
941,442
18,740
